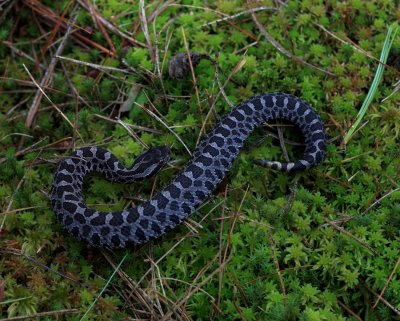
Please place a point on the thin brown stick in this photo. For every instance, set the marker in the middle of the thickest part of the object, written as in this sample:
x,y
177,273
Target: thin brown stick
x,y
390,183
277,267
11,202
342,230
291,199
42,314
187,235
344,306
196,89
192,285
52,35
145,29
21,53
4,11
262,8
390,306
387,283
162,7
221,87
194,290
40,264
48,98
100,25
111,26
47,78
50,17
137,294
32,84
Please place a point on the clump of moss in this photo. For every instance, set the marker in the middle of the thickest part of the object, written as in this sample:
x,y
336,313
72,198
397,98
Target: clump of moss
x,y
268,246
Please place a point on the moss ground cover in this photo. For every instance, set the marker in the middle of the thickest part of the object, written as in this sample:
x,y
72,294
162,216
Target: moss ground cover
x,y
318,245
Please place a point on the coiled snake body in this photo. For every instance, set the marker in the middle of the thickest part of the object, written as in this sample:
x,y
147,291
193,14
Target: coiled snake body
x,y
208,166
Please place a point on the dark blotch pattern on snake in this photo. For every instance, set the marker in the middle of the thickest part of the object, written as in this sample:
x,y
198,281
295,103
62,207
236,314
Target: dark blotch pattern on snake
x,y
208,166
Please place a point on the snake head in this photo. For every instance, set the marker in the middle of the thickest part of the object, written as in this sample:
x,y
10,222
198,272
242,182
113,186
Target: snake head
x,y
151,161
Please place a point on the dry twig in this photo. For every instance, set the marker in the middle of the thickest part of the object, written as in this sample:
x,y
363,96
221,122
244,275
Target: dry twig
x,y
46,79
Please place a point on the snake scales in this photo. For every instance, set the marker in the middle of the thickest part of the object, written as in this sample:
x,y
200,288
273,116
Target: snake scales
x,y
208,166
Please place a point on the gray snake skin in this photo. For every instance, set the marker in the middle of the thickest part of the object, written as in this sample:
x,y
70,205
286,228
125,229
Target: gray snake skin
x,y
208,166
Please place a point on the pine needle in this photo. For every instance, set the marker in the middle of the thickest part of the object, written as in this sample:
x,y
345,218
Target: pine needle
x,y
390,36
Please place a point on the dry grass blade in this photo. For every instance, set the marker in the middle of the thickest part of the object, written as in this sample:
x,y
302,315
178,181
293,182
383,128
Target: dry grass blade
x,y
342,230
166,126
391,183
221,87
48,98
138,295
348,41
277,267
23,209
194,289
28,149
393,308
382,198
395,90
176,244
54,32
350,311
162,7
50,18
196,89
352,44
252,10
11,202
46,80
145,129
111,26
43,266
43,314
9,4
133,134
287,53
387,283
281,271
100,25
189,284
22,54
94,66
145,29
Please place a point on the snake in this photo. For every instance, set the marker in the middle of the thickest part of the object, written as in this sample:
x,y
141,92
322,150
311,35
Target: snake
x,y
208,165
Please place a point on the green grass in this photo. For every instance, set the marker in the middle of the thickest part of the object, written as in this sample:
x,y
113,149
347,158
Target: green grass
x,y
318,245
391,35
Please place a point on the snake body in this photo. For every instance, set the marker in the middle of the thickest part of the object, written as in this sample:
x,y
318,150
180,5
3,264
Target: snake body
x,y
208,166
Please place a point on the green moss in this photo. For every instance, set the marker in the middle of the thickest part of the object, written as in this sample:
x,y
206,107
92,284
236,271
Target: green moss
x,y
258,225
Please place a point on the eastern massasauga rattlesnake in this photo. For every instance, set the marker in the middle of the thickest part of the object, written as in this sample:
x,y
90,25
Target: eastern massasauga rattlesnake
x,y
208,166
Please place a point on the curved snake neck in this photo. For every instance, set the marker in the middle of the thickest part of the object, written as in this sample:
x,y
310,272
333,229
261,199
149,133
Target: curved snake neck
x,y
208,166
